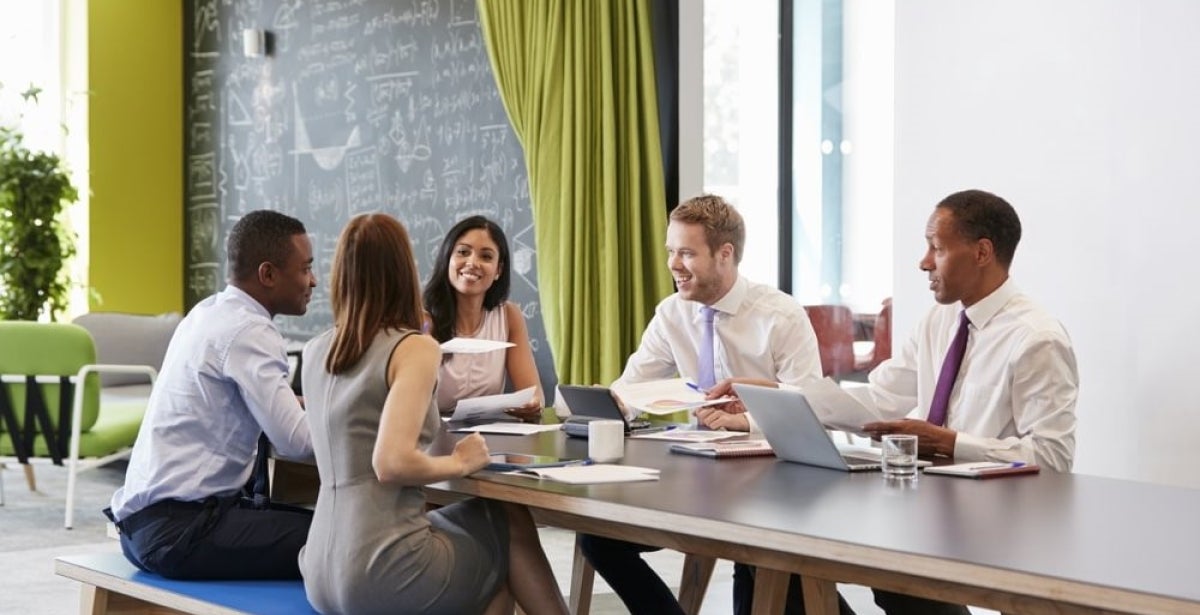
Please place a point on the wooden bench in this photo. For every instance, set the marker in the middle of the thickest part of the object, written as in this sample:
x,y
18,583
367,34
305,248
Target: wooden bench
x,y
112,585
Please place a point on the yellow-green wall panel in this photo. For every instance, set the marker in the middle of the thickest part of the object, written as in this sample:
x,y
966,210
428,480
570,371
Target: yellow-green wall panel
x,y
135,75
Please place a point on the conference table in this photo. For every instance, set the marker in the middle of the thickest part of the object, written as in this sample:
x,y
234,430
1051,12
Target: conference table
x,y
1046,543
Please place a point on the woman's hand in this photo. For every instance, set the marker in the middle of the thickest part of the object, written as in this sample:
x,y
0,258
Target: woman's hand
x,y
471,453
529,413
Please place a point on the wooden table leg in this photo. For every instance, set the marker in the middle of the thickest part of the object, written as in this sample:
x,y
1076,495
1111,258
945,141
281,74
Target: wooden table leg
x,y
582,578
820,596
770,592
92,600
697,571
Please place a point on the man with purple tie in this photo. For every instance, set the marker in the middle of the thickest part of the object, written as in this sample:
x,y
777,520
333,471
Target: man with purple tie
x,y
988,375
717,326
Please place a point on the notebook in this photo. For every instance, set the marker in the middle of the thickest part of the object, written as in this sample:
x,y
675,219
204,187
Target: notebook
x,y
985,469
591,403
591,474
724,450
794,431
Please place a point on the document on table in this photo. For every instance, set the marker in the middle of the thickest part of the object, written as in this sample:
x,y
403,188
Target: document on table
x,y
686,435
590,474
508,429
834,406
664,396
468,345
490,406
985,469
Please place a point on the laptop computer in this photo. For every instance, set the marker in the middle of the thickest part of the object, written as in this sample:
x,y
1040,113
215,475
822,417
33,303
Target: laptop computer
x,y
794,431
591,403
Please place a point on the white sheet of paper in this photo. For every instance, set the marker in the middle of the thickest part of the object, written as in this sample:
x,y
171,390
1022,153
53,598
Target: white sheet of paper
x,y
467,345
660,397
835,407
490,406
509,429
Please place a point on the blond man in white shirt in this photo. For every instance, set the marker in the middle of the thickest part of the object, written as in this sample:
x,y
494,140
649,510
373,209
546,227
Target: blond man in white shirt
x,y
757,332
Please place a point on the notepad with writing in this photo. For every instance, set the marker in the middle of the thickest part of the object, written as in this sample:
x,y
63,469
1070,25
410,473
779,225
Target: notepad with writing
x,y
984,469
596,473
723,450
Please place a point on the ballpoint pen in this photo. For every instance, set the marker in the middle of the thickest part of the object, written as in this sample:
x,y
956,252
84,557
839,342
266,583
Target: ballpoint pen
x,y
695,387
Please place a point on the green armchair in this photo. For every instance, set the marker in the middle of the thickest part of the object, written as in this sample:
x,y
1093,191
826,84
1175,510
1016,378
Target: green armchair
x,y
45,414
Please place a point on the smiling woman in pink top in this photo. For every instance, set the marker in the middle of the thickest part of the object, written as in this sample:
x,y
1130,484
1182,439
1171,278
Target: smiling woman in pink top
x,y
467,296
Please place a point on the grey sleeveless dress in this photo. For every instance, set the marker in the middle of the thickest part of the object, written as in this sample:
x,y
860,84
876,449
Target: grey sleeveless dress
x,y
372,547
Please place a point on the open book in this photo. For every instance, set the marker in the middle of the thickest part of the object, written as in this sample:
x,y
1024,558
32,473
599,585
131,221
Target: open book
x,y
722,450
590,474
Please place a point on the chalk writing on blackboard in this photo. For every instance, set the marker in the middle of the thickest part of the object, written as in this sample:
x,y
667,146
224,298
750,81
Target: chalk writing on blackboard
x,y
359,106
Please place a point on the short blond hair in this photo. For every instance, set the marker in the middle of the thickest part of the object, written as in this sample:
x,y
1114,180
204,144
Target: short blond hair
x,y
722,223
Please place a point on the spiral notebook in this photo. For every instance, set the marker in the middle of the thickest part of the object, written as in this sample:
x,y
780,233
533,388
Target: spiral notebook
x,y
724,450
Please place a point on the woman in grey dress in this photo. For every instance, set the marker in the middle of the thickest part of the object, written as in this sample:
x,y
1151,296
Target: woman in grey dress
x,y
369,389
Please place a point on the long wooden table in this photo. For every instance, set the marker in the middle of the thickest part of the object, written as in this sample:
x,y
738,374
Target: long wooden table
x,y
1050,543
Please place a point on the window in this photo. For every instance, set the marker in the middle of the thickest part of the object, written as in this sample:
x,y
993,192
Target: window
x,y
840,99
56,65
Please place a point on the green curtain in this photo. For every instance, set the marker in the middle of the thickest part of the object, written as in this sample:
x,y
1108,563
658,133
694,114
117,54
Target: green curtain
x,y
577,79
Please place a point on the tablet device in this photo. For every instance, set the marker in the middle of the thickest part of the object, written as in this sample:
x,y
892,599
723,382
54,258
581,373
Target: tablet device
x,y
520,461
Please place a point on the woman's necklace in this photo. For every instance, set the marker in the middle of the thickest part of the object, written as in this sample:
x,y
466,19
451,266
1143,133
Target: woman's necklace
x,y
471,330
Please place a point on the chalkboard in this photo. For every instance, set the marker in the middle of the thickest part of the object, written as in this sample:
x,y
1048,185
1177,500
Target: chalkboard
x,y
356,106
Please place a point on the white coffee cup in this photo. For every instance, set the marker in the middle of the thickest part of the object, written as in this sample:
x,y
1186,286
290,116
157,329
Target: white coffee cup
x,y
606,440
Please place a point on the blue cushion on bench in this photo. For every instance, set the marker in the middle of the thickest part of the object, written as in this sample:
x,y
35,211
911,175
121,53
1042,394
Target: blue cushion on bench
x,y
265,597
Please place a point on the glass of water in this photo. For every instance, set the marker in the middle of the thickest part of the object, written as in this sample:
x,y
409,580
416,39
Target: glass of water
x,y
899,455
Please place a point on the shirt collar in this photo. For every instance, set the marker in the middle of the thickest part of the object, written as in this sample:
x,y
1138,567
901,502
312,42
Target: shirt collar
x,y
233,293
984,309
732,301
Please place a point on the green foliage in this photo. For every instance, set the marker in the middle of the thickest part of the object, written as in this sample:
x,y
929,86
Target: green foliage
x,y
35,245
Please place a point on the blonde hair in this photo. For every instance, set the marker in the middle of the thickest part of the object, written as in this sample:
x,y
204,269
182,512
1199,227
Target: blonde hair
x,y
722,223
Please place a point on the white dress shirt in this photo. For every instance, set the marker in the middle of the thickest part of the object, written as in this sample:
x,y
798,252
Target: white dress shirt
x,y
1014,399
224,380
759,332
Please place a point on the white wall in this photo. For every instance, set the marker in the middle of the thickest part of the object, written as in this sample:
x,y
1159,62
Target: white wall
x,y
1085,115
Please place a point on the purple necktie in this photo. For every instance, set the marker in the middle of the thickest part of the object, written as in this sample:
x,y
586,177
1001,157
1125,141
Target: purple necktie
x,y
945,383
706,375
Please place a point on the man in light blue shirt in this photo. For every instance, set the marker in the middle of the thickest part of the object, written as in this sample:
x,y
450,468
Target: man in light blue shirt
x,y
224,382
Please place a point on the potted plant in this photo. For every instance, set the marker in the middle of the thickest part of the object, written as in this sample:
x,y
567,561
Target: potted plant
x,y
35,244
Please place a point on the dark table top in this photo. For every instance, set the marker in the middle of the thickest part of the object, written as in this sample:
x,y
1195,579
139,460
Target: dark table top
x,y
1113,533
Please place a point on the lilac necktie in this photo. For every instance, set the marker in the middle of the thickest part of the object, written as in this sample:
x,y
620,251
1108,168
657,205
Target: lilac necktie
x,y
945,383
706,375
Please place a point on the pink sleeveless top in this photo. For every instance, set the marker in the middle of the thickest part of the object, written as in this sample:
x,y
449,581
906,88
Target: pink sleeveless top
x,y
472,375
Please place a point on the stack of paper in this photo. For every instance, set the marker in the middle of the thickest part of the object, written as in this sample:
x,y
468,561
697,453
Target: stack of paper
x,y
664,396
591,474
